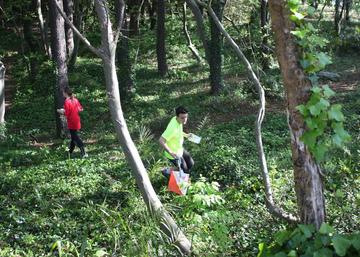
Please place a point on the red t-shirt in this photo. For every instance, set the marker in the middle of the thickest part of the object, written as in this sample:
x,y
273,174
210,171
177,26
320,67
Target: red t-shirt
x,y
72,107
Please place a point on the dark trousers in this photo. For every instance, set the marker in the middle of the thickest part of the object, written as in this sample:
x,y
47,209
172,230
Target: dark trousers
x,y
75,140
186,161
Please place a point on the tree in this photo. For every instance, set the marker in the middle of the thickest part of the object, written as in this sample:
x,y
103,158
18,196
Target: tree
x,y
270,202
123,56
107,52
192,48
307,172
134,9
69,10
58,47
200,26
2,94
43,32
160,39
216,48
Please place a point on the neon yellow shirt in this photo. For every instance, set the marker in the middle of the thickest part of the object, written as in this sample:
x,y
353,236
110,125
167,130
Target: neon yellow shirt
x,y
174,138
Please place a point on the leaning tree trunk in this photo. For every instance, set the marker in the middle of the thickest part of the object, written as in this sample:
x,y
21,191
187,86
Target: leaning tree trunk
x,y
69,10
307,173
191,46
2,94
107,54
58,47
216,48
201,31
160,39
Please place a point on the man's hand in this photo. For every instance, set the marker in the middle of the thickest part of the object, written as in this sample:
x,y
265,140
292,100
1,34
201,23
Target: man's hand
x,y
60,111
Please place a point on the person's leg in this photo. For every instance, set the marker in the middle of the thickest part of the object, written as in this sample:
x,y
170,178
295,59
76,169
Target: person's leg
x,y
72,142
187,162
79,143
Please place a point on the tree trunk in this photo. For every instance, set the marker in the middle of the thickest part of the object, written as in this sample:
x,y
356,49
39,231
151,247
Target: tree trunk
x,y
192,48
307,173
107,54
278,212
123,60
264,32
196,10
152,13
58,47
347,9
78,22
338,15
134,16
69,10
2,94
216,49
42,29
160,40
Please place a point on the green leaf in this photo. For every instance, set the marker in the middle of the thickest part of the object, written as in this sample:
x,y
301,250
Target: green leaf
x,y
339,130
328,92
309,138
100,253
299,33
355,241
310,11
326,229
341,244
282,236
301,108
335,113
320,150
316,90
261,249
315,110
311,123
324,252
292,253
323,59
307,230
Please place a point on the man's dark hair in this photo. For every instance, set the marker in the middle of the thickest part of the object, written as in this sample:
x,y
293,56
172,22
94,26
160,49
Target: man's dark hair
x,y
180,110
68,91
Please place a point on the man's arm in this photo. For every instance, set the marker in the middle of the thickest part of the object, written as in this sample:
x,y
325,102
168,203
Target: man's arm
x,y
162,142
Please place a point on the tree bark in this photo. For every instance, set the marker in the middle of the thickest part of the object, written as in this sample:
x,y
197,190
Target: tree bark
x,y
78,22
192,48
160,40
69,10
42,29
107,54
347,9
134,17
196,10
123,57
216,50
307,173
152,7
2,93
264,32
58,47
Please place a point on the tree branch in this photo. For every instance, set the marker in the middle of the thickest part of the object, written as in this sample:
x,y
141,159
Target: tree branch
x,y
77,32
260,117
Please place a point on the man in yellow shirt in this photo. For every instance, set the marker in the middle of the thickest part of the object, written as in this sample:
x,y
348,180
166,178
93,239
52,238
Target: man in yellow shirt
x,y
172,141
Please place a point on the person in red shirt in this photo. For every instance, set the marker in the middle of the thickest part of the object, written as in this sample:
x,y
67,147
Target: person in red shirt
x,y
71,110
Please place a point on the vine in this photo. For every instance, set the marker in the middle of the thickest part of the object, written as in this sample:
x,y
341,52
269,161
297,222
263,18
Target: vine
x,y
324,120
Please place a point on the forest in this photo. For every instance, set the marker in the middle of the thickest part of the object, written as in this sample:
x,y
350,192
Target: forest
x,y
101,102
